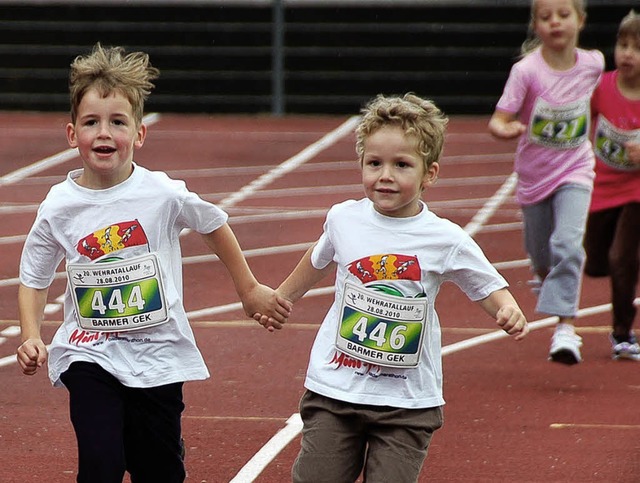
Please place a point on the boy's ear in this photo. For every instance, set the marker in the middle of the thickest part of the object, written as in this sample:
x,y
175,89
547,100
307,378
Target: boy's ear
x,y
431,176
142,135
71,135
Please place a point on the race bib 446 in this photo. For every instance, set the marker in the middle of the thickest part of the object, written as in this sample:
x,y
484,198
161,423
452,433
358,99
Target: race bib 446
x,y
381,329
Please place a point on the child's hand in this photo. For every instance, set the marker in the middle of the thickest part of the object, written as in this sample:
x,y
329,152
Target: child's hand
x,y
267,307
633,153
270,323
512,321
504,125
267,322
509,130
31,355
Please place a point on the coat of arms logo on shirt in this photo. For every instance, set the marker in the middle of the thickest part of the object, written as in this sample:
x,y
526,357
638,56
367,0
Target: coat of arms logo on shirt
x,y
112,238
386,267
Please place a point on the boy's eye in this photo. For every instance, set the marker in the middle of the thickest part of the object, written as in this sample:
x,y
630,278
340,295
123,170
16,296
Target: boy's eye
x,y
373,162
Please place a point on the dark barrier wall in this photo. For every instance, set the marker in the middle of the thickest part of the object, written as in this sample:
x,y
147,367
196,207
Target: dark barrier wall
x,y
217,57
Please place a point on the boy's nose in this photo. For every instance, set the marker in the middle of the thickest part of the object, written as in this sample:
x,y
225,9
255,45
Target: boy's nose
x,y
386,172
104,130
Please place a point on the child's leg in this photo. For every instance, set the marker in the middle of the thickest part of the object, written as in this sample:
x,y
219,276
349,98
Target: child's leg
x,y
398,442
598,238
538,226
333,443
560,291
153,444
96,407
624,265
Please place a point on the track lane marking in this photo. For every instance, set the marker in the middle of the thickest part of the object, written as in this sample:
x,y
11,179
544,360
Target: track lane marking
x,y
593,426
56,159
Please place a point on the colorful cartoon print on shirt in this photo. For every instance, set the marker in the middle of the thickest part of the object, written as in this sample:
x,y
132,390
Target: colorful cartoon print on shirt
x,y
376,271
112,238
385,267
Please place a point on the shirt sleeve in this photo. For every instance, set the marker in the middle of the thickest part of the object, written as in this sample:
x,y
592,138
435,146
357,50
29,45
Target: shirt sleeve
x,y
41,255
324,252
515,91
200,215
472,272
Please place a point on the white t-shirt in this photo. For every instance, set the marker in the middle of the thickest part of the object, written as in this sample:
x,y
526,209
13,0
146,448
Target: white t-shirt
x,y
141,216
409,258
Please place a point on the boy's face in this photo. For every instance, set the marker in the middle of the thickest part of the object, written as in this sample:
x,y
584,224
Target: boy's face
x,y
627,57
393,173
106,135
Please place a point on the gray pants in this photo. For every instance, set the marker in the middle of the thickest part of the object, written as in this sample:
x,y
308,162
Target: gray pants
x,y
553,234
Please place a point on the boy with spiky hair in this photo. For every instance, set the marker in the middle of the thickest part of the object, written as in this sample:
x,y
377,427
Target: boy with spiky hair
x,y
125,347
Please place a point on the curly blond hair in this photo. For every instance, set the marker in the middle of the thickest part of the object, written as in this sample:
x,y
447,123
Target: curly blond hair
x,y
109,69
416,116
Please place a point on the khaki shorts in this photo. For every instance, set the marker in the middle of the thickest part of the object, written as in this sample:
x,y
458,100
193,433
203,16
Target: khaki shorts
x,y
341,440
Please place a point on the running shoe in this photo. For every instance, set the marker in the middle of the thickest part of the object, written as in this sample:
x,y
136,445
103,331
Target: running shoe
x,y
627,349
565,345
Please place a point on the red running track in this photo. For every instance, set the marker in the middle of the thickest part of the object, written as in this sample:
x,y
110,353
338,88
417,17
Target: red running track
x,y
511,416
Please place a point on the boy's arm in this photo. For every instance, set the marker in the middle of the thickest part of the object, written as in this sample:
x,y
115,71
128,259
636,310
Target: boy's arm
x,y
503,307
255,297
504,125
32,353
301,279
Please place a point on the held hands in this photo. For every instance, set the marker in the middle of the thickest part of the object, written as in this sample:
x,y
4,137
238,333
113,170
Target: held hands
x,y
31,355
264,305
270,323
511,319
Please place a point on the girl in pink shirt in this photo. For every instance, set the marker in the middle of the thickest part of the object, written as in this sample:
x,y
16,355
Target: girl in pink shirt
x,y
545,103
612,240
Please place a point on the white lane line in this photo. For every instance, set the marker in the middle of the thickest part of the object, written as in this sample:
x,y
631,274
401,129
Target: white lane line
x,y
270,450
291,164
54,160
348,165
10,331
8,240
539,324
492,205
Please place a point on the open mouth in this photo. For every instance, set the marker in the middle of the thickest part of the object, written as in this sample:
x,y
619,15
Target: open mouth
x,y
104,150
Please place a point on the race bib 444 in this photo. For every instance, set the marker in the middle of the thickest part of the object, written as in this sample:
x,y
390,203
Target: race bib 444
x,y
118,296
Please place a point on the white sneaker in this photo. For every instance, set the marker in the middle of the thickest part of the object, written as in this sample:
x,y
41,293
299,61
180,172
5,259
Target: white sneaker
x,y
565,345
625,350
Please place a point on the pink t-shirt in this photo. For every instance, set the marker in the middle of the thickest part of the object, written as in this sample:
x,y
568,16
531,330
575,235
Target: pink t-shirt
x,y
617,181
554,105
